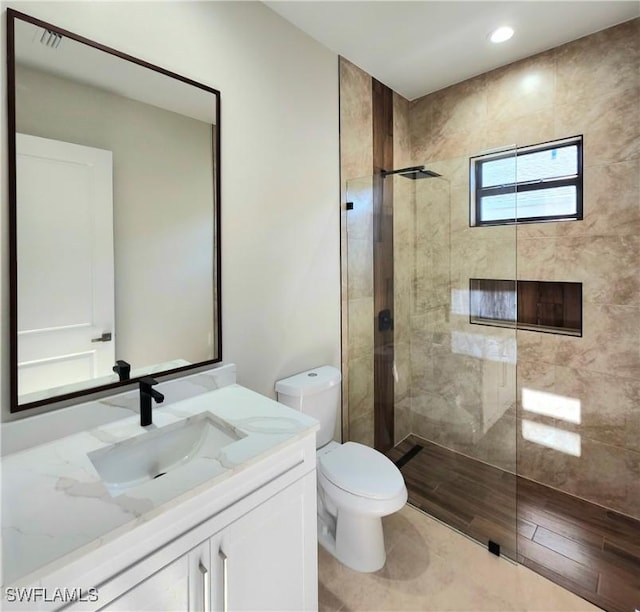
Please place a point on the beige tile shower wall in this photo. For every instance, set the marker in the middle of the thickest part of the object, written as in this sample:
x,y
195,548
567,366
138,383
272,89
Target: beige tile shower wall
x,y
404,248
356,164
578,415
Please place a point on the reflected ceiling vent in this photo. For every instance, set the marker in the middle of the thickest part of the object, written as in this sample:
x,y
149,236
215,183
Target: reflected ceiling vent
x,y
51,39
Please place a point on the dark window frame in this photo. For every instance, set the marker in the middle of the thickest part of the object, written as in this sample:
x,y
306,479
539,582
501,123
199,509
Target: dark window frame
x,y
476,193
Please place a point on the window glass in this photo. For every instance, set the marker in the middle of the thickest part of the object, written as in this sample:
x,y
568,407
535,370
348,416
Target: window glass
x,y
499,172
552,163
547,202
539,203
499,207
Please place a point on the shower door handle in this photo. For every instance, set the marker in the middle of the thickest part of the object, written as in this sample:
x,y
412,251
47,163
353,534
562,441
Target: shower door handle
x,y
385,321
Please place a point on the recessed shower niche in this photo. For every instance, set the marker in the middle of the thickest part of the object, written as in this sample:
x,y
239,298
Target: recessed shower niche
x,y
546,306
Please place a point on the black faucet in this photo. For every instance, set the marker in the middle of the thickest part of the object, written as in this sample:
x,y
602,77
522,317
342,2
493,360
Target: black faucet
x,y
146,394
122,369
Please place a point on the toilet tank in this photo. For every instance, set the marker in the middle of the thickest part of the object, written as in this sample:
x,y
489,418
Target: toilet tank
x,y
316,393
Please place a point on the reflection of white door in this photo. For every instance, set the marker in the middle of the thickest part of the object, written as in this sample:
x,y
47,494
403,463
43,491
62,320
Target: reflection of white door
x,y
65,263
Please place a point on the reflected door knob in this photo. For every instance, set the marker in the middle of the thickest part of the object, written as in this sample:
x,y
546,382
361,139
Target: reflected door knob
x,y
106,337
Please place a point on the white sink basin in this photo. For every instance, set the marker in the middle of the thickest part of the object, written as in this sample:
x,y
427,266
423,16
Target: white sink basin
x,y
134,462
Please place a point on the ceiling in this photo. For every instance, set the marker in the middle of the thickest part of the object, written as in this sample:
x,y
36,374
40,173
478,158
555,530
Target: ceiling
x,y
85,64
422,46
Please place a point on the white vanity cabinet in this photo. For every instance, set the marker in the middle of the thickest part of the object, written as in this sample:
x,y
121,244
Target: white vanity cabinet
x,y
264,558
261,561
233,529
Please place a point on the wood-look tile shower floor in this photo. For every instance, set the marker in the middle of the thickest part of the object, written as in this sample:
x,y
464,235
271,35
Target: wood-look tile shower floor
x,y
587,549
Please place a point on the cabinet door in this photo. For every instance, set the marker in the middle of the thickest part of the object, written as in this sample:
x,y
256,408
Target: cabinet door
x,y
183,584
268,558
166,590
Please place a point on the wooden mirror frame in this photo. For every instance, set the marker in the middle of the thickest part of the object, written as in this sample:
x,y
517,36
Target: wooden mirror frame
x,y
12,15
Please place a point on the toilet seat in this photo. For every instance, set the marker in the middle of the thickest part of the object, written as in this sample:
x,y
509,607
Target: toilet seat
x,y
362,471
339,501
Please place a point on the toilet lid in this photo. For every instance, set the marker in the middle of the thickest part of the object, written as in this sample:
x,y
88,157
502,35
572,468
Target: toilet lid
x,y
362,471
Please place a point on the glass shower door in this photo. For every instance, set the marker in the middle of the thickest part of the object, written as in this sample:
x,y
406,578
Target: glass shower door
x,y
463,363
451,334
358,302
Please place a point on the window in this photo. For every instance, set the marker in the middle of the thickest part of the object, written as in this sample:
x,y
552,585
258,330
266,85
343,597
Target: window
x,y
526,185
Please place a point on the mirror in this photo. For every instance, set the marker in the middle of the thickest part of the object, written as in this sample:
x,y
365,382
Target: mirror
x,y
114,204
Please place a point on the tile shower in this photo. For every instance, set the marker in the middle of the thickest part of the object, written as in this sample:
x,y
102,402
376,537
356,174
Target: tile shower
x,y
560,410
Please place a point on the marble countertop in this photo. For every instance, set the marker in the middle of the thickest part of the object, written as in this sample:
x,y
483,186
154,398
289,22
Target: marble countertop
x,y
54,503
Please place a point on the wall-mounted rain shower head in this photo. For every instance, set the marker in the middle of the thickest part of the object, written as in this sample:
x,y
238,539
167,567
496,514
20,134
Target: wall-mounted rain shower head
x,y
415,172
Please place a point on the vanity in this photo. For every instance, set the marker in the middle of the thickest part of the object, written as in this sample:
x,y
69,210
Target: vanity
x,y
123,521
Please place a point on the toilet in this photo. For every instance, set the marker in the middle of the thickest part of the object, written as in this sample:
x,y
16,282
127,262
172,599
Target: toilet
x,y
357,485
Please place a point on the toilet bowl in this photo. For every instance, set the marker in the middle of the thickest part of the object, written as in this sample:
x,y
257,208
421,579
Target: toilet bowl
x,y
357,485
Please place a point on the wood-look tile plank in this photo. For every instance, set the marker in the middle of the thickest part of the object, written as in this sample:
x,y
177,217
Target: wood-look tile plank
x,y
463,495
425,464
526,529
619,591
629,530
476,488
533,491
574,587
587,555
584,576
615,562
591,517
441,510
573,510
422,484
404,442
625,550
394,454
479,472
440,495
556,524
428,479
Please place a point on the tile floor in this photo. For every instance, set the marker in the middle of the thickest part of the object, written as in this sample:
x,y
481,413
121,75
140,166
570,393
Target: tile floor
x,y
432,567
589,550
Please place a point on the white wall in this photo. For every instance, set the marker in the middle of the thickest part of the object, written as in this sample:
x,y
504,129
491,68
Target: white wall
x,y
280,185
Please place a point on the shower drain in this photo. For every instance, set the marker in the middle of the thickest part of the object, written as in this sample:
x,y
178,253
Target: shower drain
x,y
408,456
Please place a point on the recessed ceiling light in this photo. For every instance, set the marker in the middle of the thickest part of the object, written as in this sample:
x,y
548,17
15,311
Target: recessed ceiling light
x,y
501,34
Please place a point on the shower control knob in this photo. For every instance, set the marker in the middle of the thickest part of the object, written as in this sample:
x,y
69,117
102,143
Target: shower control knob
x,y
385,321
